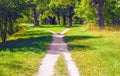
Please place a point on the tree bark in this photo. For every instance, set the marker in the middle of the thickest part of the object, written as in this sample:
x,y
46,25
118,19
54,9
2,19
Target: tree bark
x,y
52,20
10,26
4,32
100,16
98,5
36,22
64,20
58,18
70,16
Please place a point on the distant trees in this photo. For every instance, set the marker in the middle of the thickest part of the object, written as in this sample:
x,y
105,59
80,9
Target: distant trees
x,y
65,5
39,8
99,12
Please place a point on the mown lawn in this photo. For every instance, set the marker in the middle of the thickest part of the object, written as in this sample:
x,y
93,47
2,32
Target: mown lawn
x,y
96,53
22,53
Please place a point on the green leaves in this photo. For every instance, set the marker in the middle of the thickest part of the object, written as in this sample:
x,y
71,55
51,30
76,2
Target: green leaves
x,y
10,11
62,3
84,10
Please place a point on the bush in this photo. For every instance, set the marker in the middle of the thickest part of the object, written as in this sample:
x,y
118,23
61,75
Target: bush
x,y
19,28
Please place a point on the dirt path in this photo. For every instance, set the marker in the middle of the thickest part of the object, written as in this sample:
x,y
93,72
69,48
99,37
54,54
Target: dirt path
x,y
57,47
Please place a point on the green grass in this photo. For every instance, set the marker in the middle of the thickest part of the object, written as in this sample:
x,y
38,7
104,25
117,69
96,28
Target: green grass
x,y
55,28
61,67
96,53
22,53
19,63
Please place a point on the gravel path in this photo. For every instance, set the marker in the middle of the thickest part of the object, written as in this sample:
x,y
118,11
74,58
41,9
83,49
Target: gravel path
x,y
55,49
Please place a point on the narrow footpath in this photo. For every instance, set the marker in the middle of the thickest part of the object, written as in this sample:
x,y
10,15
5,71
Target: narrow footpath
x,y
56,48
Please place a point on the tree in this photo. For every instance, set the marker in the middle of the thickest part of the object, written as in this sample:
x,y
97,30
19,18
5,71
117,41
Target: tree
x,y
64,14
111,12
90,10
69,4
98,4
40,6
35,15
10,11
36,22
84,11
60,12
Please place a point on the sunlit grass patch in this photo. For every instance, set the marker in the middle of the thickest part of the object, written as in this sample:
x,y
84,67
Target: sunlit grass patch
x,y
95,27
55,28
97,53
61,67
27,24
19,63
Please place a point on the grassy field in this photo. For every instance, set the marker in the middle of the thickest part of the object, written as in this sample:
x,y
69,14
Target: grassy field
x,y
21,54
96,53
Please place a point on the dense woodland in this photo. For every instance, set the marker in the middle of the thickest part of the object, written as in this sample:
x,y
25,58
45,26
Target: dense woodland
x,y
62,12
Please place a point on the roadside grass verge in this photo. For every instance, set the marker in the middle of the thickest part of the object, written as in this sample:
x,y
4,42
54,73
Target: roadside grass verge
x,y
22,53
61,67
96,53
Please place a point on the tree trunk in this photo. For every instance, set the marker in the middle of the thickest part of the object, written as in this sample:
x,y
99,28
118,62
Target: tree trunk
x,y
36,22
52,20
64,20
70,16
58,19
100,16
10,26
4,32
3,36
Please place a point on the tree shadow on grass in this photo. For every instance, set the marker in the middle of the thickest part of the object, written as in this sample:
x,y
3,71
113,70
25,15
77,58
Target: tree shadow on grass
x,y
33,34
71,38
78,47
33,44
82,46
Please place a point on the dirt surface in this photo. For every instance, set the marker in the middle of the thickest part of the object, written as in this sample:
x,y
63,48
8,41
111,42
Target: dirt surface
x,y
55,49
